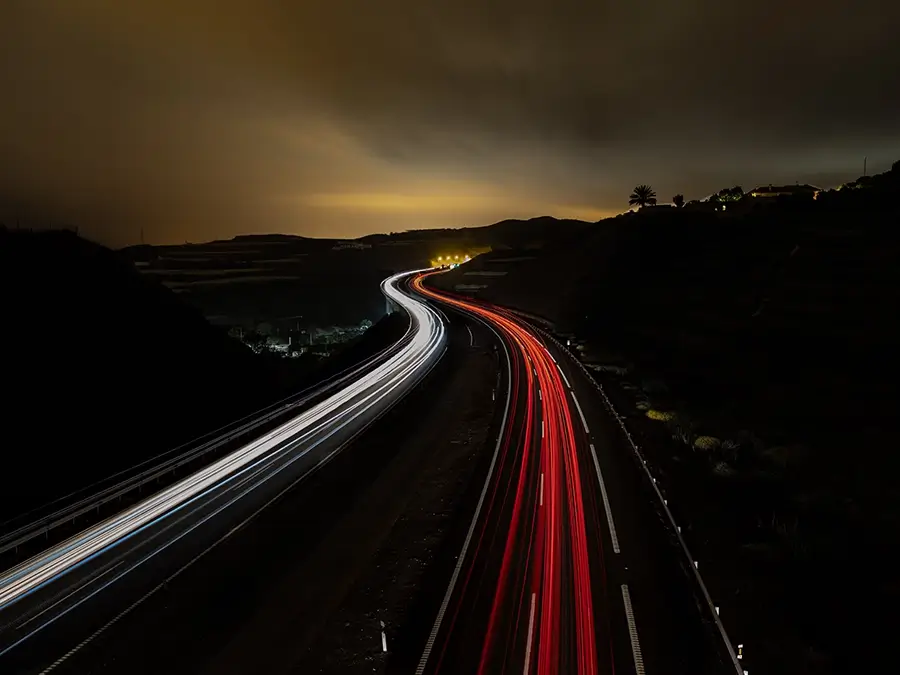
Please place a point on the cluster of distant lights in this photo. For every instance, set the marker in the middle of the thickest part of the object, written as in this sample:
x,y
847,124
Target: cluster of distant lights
x,y
451,260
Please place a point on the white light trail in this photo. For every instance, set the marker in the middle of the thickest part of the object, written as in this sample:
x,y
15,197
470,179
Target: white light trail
x,y
424,343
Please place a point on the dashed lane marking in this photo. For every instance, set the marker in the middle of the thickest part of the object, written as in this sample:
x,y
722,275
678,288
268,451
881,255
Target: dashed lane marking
x,y
605,497
530,635
580,413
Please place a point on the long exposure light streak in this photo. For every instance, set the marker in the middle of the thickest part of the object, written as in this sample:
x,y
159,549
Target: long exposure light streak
x,y
557,633
423,344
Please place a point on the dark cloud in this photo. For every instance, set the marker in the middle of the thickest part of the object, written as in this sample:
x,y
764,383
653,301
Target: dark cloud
x,y
202,118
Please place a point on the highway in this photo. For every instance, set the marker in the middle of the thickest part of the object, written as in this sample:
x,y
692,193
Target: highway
x,y
55,603
566,566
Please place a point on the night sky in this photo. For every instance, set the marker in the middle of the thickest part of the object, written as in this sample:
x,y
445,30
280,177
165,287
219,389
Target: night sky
x,y
202,119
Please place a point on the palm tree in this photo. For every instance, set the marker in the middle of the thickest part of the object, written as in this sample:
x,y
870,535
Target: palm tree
x,y
643,195
678,200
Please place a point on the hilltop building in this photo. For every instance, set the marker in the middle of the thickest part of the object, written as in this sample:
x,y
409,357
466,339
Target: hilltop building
x,y
786,190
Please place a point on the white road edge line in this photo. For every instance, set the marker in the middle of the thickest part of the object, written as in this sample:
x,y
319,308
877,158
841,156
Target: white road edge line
x,y
530,635
429,644
632,632
542,493
565,379
605,497
580,412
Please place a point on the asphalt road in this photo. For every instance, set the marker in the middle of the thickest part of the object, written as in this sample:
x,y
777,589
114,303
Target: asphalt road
x,y
567,567
56,605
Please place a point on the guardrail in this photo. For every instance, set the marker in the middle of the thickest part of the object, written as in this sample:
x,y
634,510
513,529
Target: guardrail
x,y
43,526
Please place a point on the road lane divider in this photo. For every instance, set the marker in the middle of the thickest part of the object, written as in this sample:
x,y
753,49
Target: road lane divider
x,y
609,517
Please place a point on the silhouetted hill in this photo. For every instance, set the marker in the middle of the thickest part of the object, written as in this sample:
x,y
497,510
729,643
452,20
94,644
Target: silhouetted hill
x,y
511,233
103,367
785,308
269,237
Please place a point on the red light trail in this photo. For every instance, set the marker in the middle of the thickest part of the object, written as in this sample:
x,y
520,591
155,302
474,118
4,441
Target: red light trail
x,y
542,606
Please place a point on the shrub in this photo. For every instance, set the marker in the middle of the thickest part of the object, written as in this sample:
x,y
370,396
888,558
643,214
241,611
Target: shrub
x,y
660,415
707,443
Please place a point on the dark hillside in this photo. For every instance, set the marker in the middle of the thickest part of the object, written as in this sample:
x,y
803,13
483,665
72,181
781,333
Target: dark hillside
x,y
103,367
788,310
510,233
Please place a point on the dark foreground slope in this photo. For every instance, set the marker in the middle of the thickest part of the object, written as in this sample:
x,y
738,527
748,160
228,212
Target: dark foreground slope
x,y
754,355
104,368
